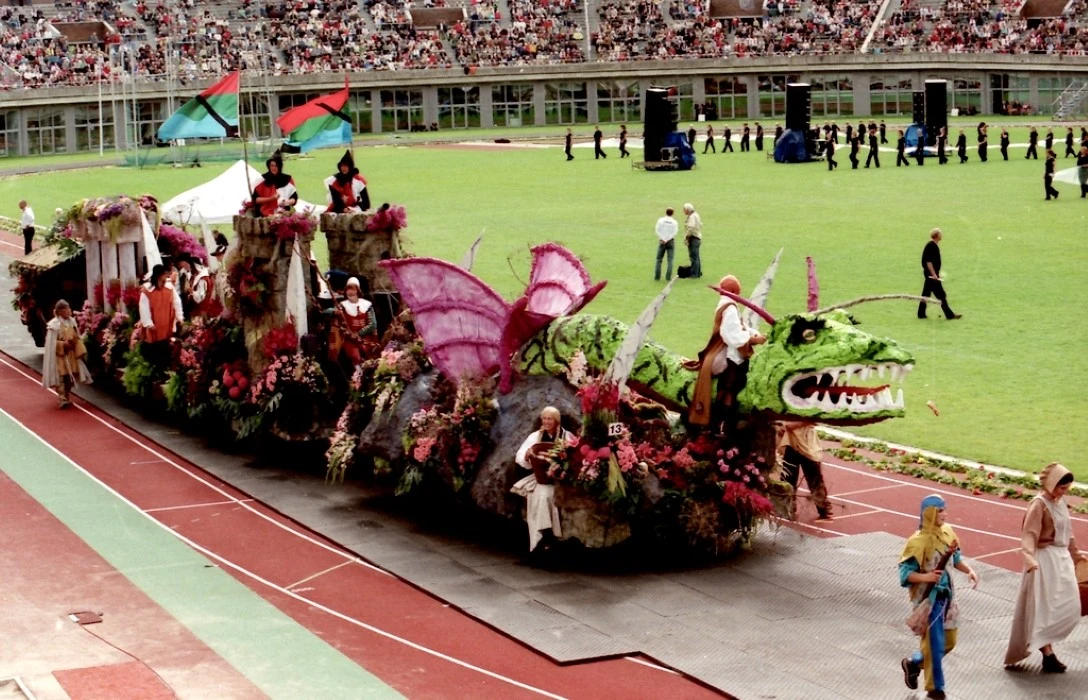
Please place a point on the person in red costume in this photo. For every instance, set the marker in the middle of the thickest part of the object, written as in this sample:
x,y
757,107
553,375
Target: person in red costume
x,y
347,193
361,325
275,191
160,312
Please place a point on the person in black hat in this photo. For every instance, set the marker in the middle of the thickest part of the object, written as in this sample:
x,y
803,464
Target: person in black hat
x,y
347,192
276,189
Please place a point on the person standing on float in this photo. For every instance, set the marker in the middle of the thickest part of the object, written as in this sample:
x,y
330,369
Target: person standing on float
x,y
346,191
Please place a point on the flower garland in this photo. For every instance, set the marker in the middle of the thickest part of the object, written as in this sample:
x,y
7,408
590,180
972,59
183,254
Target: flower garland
x,y
296,383
289,226
251,281
388,218
181,244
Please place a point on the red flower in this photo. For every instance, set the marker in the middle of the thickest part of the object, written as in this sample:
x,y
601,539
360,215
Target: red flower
x,y
281,341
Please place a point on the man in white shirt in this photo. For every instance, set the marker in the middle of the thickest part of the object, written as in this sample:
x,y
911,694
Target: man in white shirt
x,y
666,242
26,221
693,236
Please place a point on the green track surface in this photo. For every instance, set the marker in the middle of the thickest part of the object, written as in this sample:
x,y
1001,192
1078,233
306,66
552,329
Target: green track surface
x,y
276,654
1009,379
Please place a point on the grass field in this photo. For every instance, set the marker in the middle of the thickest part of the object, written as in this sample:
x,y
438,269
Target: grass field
x,y
1010,378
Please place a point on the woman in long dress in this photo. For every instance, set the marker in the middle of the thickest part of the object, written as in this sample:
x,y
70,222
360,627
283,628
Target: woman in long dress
x,y
540,512
62,364
1048,607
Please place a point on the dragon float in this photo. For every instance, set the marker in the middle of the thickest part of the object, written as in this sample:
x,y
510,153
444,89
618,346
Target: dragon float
x,y
645,465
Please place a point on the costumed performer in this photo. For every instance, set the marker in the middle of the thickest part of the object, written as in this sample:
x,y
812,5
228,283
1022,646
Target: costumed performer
x,y
347,193
160,313
800,452
1048,607
63,363
936,611
361,325
276,189
541,515
725,356
203,293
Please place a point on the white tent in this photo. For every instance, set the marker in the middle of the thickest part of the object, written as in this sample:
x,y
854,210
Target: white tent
x,y
219,199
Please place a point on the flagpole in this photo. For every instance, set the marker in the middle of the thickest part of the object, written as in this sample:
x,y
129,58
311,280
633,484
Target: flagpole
x,y
245,149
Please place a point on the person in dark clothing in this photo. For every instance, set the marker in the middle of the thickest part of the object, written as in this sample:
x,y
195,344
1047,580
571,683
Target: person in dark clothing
x,y
829,150
1082,171
883,132
849,132
1005,144
570,138
1069,143
1049,140
745,135
855,146
710,139
1048,175
920,147
874,155
901,150
982,141
692,134
1083,137
942,145
624,153
961,147
759,137
727,134
777,133
862,130
1033,144
835,132
598,152
931,268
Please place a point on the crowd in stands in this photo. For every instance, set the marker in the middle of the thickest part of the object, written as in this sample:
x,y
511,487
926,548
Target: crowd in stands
x,y
973,26
199,39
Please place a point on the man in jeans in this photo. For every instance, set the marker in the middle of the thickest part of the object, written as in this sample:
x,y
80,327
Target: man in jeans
x,y
693,236
26,221
666,242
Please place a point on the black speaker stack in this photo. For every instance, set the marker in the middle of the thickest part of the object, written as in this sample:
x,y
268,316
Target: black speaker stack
x,y
798,106
919,107
660,117
936,109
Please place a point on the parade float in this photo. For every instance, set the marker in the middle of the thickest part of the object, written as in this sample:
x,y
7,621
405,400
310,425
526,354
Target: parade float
x,y
438,408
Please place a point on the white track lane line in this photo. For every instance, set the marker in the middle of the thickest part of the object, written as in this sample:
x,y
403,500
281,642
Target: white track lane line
x,y
12,245
1004,551
207,483
878,488
196,505
852,515
278,588
651,665
914,517
935,488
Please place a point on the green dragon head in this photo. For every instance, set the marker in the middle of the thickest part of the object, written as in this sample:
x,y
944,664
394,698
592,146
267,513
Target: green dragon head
x,y
823,368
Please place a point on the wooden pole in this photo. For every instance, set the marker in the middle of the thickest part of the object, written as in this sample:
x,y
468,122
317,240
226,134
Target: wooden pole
x,y
245,149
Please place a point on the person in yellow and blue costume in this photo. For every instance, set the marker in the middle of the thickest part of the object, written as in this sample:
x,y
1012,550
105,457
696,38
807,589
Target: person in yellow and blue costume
x,y
917,570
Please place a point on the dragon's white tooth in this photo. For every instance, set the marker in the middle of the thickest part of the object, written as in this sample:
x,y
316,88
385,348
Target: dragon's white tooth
x,y
834,372
860,402
886,398
899,399
827,404
866,372
908,368
893,373
880,370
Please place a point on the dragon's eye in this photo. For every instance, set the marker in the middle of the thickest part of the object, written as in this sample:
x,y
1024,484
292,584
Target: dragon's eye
x,y
809,335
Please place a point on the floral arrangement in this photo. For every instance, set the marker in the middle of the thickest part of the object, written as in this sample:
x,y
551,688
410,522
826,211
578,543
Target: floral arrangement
x,y
391,373
251,281
282,340
291,392
178,243
113,213
388,218
448,441
288,226
115,294
227,394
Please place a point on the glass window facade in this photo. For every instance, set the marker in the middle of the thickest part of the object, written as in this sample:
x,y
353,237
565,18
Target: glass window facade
x,y
458,107
965,94
728,95
45,130
512,105
891,94
1049,90
361,106
402,109
565,103
619,101
9,132
94,128
772,94
832,95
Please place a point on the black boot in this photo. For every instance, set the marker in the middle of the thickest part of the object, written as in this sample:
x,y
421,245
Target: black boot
x,y
1052,665
910,673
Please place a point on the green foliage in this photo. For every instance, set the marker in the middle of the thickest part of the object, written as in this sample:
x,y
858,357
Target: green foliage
x,y
174,391
139,375
412,477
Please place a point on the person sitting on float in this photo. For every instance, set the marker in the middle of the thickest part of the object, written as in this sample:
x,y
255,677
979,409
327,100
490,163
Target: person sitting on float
x,y
541,515
346,190
359,319
276,190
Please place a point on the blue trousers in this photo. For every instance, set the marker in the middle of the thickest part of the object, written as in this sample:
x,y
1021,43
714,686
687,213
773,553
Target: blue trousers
x,y
663,249
936,643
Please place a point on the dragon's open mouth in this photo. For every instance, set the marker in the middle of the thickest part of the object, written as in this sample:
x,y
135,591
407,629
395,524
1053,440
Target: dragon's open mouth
x,y
855,388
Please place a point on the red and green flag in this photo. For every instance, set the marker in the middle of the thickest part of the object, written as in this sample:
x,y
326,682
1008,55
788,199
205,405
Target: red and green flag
x,y
211,114
323,121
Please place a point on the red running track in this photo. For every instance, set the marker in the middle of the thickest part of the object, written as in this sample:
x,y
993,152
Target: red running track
x,y
410,640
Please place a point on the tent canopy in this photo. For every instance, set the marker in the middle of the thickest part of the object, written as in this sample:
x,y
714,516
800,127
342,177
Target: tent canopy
x,y
219,200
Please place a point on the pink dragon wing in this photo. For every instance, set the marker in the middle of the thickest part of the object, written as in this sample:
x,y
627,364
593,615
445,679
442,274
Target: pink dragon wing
x,y
459,317
558,286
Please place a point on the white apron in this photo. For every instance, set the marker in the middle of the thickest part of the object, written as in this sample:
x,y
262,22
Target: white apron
x,y
1057,598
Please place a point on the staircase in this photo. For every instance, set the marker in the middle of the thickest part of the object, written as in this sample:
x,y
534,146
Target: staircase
x,y
1072,102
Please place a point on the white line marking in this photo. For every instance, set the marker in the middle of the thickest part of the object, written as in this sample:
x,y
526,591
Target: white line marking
x,y
811,527
654,666
914,517
12,245
878,488
302,599
196,505
207,483
1004,551
150,461
935,488
311,577
853,515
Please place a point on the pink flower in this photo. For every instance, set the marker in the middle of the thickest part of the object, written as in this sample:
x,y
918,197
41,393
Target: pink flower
x,y
423,448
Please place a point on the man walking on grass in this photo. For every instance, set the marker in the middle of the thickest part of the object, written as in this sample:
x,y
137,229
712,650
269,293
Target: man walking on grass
x,y
931,268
